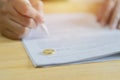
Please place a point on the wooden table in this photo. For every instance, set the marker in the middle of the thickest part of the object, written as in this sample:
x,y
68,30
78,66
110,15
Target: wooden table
x,y
15,64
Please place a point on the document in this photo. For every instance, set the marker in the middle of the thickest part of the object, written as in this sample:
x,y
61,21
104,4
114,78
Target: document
x,y
74,39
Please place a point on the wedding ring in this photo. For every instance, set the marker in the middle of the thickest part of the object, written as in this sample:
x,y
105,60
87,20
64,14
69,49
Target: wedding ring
x,y
48,51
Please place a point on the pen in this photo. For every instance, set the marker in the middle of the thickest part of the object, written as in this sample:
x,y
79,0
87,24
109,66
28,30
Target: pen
x,y
44,28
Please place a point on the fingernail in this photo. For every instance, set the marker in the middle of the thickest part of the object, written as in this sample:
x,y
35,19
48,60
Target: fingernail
x,y
40,18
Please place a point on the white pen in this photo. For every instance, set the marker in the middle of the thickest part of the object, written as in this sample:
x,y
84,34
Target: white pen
x,y
44,28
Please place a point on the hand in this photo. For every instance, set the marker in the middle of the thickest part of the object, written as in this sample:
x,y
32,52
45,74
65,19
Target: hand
x,y
109,14
18,16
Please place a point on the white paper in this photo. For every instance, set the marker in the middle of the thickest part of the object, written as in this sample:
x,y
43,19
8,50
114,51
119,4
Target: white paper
x,y
76,38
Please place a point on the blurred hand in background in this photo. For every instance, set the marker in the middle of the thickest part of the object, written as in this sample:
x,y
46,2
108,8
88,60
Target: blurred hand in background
x,y
109,14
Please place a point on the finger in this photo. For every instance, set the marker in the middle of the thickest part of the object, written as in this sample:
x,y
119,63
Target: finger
x,y
107,10
11,35
22,20
101,10
24,8
29,23
114,18
118,26
1,27
7,33
3,9
15,27
38,5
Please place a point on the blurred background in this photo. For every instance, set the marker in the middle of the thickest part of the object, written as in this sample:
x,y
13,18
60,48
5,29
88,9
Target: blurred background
x,y
72,6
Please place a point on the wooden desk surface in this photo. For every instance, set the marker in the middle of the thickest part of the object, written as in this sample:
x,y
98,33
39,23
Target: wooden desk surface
x,y
15,64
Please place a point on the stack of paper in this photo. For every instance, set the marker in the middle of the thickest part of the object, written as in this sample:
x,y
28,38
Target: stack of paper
x,y
76,38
